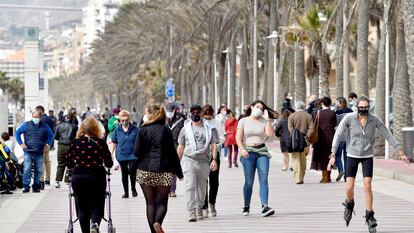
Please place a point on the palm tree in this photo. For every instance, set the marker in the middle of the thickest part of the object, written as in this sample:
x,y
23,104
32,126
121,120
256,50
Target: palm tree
x,y
362,47
409,41
401,93
339,56
300,81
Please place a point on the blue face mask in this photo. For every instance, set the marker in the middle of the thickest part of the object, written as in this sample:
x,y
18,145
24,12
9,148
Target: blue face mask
x,y
36,120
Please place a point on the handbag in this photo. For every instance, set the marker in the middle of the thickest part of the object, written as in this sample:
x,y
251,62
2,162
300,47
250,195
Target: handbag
x,y
314,137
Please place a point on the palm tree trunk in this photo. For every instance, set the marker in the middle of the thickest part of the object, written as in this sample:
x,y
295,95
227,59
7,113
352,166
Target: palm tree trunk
x,y
221,64
232,60
244,69
362,48
300,81
291,74
409,42
401,93
323,68
273,26
379,148
339,56
283,84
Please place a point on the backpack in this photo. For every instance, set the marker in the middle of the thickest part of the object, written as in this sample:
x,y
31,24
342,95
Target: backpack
x,y
297,142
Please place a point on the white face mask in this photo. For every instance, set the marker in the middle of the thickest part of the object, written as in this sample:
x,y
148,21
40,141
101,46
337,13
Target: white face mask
x,y
256,112
169,114
145,118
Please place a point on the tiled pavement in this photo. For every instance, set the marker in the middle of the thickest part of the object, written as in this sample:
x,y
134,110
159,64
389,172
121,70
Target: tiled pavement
x,y
312,207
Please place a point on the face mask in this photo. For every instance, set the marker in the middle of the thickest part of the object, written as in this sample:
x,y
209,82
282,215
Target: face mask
x,y
145,118
36,120
195,118
256,112
363,112
169,114
125,123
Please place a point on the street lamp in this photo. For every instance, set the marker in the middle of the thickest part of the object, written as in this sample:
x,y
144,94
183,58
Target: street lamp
x,y
274,37
241,88
226,51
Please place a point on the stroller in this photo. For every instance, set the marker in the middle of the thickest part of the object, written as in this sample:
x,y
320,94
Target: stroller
x,y
111,228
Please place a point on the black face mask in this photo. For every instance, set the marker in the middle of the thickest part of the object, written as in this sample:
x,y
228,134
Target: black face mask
x,y
363,112
195,118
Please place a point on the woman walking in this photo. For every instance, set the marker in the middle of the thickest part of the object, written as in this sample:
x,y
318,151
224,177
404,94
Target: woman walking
x,y
340,114
87,156
231,127
326,131
251,133
123,139
157,162
282,131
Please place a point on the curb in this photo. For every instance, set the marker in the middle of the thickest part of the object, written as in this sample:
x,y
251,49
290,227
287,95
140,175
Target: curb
x,y
394,175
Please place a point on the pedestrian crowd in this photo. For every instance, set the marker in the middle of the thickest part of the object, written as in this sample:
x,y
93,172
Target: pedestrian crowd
x,y
167,143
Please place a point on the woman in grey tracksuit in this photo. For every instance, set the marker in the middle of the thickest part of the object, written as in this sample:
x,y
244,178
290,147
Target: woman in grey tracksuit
x,y
360,146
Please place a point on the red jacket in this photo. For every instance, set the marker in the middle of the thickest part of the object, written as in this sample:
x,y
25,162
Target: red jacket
x,y
231,127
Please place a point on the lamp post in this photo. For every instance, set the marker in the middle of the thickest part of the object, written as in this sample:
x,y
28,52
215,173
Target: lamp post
x,y
226,51
274,37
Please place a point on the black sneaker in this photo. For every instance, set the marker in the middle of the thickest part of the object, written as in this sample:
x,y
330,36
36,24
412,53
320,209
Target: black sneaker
x,y
42,185
26,190
246,210
47,182
267,211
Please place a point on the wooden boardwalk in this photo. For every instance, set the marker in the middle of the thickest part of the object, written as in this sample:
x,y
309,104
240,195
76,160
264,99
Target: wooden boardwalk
x,y
312,207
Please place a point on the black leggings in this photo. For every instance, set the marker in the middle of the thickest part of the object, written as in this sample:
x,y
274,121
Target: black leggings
x,y
90,193
157,203
133,176
213,182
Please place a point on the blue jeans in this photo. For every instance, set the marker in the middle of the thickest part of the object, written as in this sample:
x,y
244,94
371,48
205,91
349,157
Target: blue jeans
x,y
250,164
37,160
338,157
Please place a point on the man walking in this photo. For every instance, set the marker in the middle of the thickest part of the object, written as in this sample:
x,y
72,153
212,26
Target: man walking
x,y
176,122
197,140
359,128
45,178
37,139
302,121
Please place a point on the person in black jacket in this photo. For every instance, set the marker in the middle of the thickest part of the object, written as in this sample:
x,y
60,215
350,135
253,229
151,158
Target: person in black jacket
x,y
175,121
65,134
157,162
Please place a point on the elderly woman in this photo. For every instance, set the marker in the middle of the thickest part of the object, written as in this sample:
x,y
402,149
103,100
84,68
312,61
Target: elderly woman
x,y
123,138
88,154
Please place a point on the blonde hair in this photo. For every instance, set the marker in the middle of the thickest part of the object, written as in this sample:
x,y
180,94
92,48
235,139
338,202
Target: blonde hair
x,y
125,113
90,127
157,114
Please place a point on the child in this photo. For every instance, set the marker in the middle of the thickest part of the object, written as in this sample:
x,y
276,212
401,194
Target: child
x,y
16,152
5,161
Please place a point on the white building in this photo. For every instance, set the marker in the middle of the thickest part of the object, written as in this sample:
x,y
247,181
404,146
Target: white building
x,y
13,65
95,17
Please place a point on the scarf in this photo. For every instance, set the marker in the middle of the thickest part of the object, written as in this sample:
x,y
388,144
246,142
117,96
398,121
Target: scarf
x,y
190,134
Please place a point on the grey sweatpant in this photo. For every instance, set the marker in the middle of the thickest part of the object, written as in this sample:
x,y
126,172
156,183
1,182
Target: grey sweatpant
x,y
195,177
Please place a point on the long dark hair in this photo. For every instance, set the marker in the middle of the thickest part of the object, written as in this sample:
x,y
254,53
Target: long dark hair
x,y
272,113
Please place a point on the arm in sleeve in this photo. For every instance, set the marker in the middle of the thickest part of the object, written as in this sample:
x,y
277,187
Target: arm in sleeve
x,y
341,130
290,124
311,124
172,153
114,138
137,152
50,136
387,135
107,155
19,132
57,134
70,157
181,143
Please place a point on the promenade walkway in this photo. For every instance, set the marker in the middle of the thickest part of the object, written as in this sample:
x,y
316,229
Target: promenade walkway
x,y
312,207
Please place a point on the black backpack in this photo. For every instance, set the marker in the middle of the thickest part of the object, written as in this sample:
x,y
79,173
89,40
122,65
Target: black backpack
x,y
297,141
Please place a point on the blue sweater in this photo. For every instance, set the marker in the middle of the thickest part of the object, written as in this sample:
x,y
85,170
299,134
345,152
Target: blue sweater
x,y
35,136
125,142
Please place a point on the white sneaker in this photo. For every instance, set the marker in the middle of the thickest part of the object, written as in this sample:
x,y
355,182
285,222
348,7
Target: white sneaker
x,y
199,214
57,184
205,213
